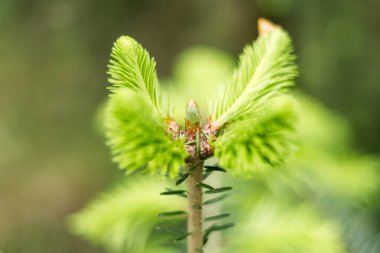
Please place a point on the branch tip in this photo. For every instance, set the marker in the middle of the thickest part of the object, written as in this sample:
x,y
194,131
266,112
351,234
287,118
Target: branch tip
x,y
264,26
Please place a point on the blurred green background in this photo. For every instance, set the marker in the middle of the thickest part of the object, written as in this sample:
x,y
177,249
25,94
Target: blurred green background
x,y
52,71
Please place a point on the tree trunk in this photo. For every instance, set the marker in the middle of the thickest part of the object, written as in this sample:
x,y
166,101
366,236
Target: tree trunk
x,y
194,199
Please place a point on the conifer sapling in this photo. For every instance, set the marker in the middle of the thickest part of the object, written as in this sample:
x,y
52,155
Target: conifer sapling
x,y
144,135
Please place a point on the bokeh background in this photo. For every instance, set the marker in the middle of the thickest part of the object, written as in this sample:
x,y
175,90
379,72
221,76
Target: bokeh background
x,y
52,81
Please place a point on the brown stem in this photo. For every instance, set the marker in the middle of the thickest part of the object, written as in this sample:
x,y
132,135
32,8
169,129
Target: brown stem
x,y
194,199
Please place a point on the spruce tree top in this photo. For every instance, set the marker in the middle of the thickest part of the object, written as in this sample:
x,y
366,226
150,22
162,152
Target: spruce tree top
x,y
241,129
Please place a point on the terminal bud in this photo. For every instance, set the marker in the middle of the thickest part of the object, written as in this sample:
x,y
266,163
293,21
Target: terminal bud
x,y
193,116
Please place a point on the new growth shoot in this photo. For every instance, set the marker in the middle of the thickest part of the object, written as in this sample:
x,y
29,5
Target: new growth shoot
x,y
238,130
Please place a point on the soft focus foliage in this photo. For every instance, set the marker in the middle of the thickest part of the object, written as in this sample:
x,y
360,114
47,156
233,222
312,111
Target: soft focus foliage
x,y
124,218
196,69
276,228
52,71
327,177
304,205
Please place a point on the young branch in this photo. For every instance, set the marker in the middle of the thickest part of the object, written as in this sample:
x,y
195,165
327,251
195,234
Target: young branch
x,y
194,223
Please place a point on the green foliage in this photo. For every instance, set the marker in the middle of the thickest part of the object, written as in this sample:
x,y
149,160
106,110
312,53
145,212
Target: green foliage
x,y
333,182
203,69
123,219
196,69
135,122
325,141
132,67
322,129
275,228
138,138
302,207
256,132
252,144
266,69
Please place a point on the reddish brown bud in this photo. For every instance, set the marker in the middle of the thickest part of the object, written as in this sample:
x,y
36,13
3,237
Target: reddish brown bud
x,y
265,26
